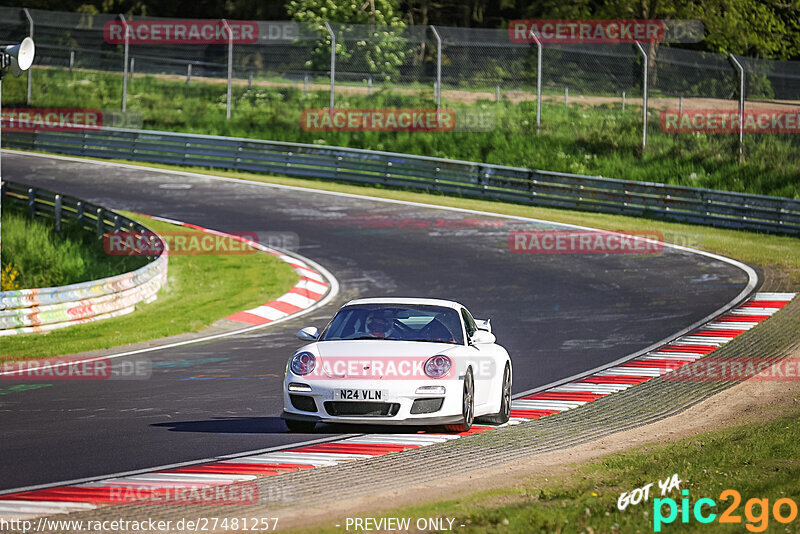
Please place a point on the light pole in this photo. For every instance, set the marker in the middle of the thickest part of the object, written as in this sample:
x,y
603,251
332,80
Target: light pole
x,y
14,58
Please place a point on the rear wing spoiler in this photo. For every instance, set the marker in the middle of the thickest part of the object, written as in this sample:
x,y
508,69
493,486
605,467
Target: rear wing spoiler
x,y
484,324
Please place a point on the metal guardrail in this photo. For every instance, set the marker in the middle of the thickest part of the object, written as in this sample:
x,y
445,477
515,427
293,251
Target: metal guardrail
x,y
515,184
35,310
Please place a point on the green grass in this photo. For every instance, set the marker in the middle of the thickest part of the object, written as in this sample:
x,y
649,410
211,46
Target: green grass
x,y
760,460
43,258
200,290
598,140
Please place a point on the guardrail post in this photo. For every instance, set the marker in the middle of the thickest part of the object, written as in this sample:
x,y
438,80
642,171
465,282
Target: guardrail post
x,y
644,95
99,223
125,65
741,70
230,66
538,80
333,67
79,216
31,203
437,89
57,210
30,34
116,223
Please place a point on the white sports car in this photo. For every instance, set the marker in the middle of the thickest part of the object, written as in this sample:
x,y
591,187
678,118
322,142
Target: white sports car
x,y
406,361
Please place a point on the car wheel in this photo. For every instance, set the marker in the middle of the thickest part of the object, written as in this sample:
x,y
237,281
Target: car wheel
x,y
467,405
505,401
305,427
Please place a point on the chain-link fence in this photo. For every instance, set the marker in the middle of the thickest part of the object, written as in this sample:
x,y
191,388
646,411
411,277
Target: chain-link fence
x,y
442,66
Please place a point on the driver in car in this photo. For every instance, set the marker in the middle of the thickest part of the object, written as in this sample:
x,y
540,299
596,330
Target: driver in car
x,y
379,325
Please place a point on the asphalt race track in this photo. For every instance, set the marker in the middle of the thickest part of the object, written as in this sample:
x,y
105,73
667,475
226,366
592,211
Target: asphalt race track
x,y
557,315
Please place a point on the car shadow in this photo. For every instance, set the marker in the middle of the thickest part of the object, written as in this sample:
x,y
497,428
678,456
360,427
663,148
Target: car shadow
x,y
275,425
229,425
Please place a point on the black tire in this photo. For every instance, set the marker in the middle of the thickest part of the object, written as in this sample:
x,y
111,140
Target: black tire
x,y
306,427
467,405
505,402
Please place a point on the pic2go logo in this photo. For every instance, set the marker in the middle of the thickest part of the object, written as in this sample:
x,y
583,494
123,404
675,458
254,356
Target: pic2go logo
x,y
756,511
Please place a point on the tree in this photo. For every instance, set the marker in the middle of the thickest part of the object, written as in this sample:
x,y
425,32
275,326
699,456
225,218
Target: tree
x,y
368,37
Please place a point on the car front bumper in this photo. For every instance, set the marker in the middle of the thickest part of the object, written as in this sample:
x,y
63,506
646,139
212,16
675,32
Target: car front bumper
x,y
400,392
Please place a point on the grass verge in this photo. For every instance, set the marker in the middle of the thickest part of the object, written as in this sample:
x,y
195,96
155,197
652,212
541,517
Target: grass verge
x,y
759,460
200,290
35,256
580,138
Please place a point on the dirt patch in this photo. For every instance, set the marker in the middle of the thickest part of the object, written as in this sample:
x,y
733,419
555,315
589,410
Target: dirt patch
x,y
749,402
515,96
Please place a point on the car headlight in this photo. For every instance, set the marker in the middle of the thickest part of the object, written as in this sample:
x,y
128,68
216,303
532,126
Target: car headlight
x,y
302,363
437,366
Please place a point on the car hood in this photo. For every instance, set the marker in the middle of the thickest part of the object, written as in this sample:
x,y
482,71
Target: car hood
x,y
351,359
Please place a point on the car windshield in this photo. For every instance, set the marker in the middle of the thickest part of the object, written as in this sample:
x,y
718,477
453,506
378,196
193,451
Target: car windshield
x,y
398,322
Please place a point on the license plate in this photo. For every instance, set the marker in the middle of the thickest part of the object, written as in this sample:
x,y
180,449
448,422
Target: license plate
x,y
360,394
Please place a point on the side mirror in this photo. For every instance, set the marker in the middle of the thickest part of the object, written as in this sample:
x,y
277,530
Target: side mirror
x,y
484,324
482,337
309,333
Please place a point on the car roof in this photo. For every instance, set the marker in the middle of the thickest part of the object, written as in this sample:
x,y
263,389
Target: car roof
x,y
407,300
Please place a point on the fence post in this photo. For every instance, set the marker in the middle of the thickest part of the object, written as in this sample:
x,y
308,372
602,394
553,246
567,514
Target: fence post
x,y
623,100
30,34
125,65
566,95
31,203
644,95
57,212
333,66
740,68
188,73
133,63
71,60
99,223
538,80
438,87
230,67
